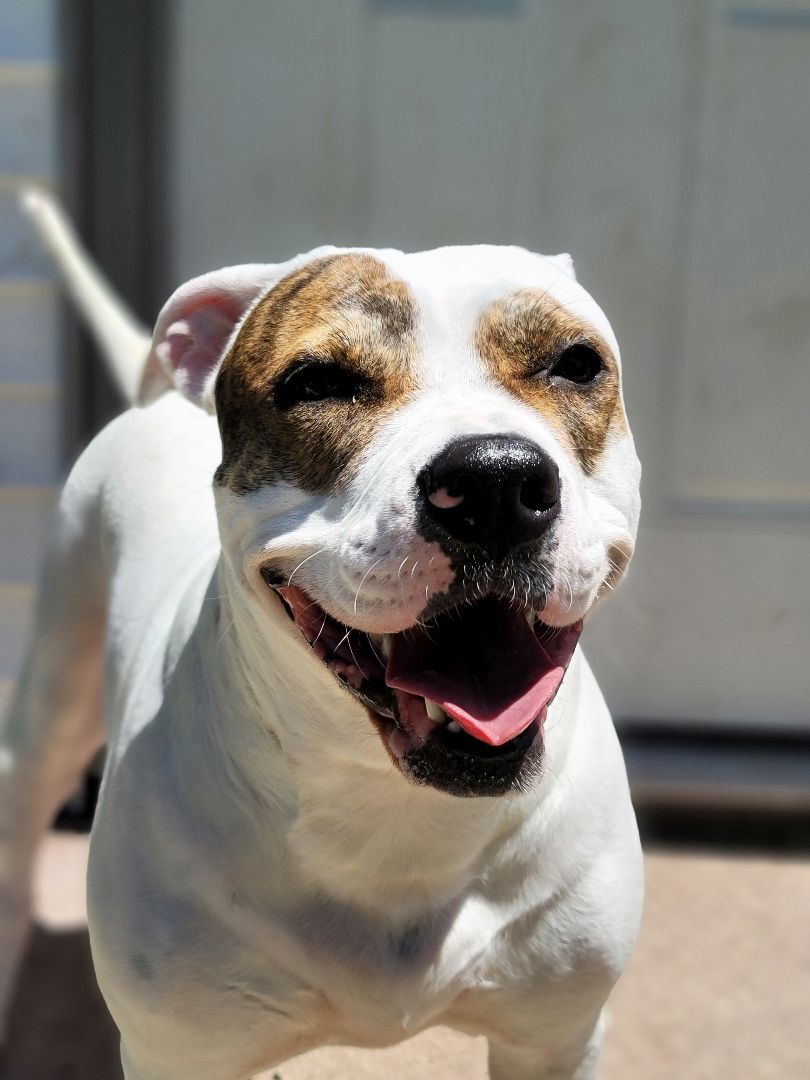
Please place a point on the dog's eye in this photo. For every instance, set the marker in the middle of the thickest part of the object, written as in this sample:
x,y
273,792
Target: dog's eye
x,y
577,364
317,380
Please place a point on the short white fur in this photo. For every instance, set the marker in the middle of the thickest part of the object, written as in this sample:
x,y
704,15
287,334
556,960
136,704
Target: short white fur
x,y
262,880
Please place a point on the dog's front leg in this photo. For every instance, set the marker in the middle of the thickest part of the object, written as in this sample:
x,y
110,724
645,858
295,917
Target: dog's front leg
x,y
54,724
574,1060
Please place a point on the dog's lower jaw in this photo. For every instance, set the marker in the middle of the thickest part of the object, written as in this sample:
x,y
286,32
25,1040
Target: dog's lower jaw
x,y
349,820
459,701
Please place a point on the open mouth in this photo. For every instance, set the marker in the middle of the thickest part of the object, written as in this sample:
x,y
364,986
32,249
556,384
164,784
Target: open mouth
x,y
477,679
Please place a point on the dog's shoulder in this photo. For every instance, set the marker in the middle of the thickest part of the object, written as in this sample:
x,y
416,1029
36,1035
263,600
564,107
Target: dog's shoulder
x,y
149,467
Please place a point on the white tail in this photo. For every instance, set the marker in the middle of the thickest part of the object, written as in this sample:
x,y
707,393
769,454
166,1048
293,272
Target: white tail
x,y
123,341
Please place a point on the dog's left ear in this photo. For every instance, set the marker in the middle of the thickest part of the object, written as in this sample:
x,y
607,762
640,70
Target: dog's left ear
x,y
195,327
563,262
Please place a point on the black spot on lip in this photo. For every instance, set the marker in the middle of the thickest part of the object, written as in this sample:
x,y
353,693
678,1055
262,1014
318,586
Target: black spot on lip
x,y
462,766
272,576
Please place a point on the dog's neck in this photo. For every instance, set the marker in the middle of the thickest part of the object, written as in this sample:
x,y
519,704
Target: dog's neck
x,y
318,779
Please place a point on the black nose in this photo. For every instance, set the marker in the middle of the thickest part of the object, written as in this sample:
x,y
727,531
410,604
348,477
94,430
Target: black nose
x,y
494,491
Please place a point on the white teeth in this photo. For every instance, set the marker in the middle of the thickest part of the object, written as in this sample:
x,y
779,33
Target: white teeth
x,y
454,727
385,645
433,711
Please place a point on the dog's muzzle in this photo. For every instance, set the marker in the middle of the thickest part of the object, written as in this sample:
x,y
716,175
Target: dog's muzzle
x,y
467,687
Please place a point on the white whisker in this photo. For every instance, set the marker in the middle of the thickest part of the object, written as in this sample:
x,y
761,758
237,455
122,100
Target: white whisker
x,y
320,551
318,635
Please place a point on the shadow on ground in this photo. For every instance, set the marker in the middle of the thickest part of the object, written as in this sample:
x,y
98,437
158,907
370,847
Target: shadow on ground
x,y
59,1026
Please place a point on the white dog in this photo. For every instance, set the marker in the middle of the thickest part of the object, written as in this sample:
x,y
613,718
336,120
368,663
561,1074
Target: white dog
x,y
326,588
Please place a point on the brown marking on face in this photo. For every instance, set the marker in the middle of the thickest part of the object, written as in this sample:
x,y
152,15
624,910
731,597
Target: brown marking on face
x,y
521,336
347,309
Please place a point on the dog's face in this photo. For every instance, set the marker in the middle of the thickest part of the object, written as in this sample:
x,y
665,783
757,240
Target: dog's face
x,y
426,465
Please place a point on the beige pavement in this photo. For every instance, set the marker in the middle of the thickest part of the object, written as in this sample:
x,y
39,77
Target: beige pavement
x,y
718,989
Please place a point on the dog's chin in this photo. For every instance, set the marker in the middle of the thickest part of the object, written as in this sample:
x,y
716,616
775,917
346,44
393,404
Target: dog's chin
x,y
459,701
464,767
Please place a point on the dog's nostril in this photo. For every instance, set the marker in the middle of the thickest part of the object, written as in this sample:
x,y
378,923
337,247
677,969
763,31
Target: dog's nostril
x,y
541,491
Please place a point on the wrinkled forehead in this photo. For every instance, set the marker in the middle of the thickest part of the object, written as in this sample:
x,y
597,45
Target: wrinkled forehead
x,y
443,293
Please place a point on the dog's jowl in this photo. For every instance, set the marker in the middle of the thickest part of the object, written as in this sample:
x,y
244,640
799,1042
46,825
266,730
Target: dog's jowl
x,y
326,583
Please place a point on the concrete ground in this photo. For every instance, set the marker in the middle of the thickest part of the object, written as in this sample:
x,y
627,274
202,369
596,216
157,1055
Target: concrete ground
x,y
718,988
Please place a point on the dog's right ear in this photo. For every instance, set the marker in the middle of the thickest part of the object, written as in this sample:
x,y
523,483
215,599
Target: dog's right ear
x,y
195,328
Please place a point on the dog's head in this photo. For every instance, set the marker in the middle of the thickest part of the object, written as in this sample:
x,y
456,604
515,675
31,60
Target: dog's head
x,y
426,466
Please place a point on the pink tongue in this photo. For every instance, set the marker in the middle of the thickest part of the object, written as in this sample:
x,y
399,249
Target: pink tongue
x,y
485,668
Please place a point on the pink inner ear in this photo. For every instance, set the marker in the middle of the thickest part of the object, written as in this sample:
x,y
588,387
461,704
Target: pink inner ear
x,y
193,341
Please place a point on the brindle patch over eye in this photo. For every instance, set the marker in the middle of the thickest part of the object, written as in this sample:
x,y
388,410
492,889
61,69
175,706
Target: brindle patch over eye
x,y
530,342
351,322
315,379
